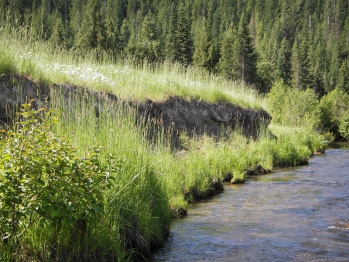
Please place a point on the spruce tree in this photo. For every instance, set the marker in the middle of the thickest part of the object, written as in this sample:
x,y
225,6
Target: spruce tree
x,y
304,72
147,46
344,40
92,32
318,63
286,20
40,21
283,66
203,47
124,36
245,64
58,37
343,77
301,77
226,62
183,38
334,61
111,40
76,16
171,47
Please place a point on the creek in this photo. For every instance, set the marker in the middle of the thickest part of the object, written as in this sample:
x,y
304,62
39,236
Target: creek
x,y
298,214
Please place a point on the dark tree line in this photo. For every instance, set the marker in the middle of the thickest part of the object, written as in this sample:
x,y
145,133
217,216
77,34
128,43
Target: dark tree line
x,y
304,42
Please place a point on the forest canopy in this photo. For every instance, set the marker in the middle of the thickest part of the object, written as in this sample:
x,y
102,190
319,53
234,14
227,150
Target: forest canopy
x,y
304,42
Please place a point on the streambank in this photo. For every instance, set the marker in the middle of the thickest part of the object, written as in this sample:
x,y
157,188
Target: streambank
x,y
176,114
197,174
297,214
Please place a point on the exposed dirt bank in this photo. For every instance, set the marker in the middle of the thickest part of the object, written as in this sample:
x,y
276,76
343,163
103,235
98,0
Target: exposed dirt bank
x,y
175,114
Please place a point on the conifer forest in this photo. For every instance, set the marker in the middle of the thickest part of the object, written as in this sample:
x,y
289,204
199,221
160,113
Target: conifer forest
x,y
303,42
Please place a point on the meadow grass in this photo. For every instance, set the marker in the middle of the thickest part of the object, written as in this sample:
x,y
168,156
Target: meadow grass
x,y
100,71
151,181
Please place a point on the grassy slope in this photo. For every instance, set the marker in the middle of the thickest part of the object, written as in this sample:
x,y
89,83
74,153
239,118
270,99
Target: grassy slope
x,y
156,82
151,180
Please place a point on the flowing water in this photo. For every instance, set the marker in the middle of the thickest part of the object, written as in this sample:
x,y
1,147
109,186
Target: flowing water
x,y
300,214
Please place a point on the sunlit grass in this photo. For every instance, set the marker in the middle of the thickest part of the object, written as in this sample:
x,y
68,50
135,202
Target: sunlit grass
x,y
151,179
39,60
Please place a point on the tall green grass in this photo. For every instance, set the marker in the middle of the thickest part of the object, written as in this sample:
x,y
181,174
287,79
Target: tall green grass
x,y
99,71
152,182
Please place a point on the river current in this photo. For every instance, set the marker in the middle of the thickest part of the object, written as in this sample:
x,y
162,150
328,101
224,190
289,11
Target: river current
x,y
299,214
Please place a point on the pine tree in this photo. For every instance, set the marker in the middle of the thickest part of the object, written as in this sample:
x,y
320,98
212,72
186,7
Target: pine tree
x,y
183,38
245,54
147,46
334,61
301,77
318,63
124,36
203,47
58,36
344,40
39,21
111,40
172,52
283,66
343,77
226,62
304,73
76,16
92,32
215,30
286,20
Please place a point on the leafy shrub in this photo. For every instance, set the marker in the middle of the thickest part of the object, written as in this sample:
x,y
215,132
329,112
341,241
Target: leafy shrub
x,y
344,125
292,107
332,108
43,179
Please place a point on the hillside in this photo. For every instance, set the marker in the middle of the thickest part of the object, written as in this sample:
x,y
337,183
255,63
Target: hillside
x,y
303,42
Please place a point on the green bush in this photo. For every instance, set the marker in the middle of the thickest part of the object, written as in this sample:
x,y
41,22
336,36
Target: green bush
x,y
332,108
344,125
43,180
292,107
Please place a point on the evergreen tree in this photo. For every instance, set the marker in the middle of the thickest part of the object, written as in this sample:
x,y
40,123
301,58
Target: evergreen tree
x,y
245,64
334,61
124,36
172,52
183,38
203,47
111,40
343,78
116,11
226,63
283,66
58,37
147,45
76,16
135,28
318,64
344,40
286,20
39,21
301,77
92,32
